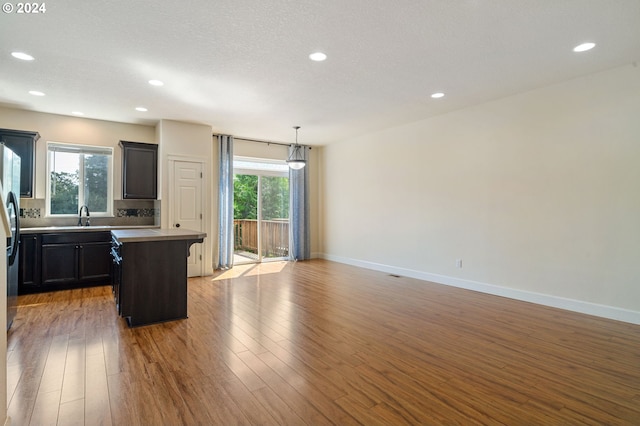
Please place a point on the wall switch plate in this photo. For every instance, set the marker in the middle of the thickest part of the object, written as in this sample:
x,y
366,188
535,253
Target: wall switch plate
x,y
459,263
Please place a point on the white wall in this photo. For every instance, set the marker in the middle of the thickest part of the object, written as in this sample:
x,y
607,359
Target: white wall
x,y
187,142
83,131
538,194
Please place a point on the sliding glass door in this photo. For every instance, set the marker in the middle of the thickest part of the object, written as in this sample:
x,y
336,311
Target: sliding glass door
x,y
274,218
261,210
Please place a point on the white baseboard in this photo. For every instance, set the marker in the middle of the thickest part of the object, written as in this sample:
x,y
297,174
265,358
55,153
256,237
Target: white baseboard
x,y
604,311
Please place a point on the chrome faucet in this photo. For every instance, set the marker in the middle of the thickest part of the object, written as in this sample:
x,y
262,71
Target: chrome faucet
x,y
87,223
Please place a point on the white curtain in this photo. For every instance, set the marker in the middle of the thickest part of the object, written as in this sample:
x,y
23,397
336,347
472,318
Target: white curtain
x,y
299,237
225,197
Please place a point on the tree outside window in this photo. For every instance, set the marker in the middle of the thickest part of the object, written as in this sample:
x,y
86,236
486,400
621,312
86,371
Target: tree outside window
x,y
79,176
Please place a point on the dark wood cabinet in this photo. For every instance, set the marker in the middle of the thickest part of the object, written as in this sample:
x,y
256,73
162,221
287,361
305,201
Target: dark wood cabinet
x,y
94,262
139,170
153,282
23,143
29,260
59,264
150,277
53,261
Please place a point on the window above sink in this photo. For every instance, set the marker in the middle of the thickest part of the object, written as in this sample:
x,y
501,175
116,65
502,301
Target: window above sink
x,y
79,175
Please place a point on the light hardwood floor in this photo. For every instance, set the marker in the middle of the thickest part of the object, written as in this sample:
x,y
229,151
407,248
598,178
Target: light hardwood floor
x,y
316,343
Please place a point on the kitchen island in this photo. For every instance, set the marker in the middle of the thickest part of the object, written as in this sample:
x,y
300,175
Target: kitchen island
x,y
150,273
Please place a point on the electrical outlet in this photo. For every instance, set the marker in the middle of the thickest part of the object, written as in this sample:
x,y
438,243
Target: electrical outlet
x,y
459,263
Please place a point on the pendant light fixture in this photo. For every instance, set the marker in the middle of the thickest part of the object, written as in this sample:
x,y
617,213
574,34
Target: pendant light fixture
x,y
296,159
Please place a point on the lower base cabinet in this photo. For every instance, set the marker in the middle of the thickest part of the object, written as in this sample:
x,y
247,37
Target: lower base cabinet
x,y
58,261
150,279
29,261
153,282
94,262
59,264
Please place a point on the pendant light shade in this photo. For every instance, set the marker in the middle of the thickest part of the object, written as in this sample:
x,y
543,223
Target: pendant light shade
x,y
296,159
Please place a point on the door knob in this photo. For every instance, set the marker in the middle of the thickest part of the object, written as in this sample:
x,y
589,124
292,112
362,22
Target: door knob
x,y
177,225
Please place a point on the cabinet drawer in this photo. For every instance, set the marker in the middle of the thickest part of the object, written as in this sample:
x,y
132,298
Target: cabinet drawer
x,y
76,237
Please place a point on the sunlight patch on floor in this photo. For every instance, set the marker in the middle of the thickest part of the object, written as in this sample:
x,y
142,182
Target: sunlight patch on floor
x,y
250,269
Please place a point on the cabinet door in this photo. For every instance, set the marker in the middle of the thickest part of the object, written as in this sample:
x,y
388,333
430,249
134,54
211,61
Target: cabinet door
x,y
94,262
116,278
29,272
139,170
59,264
23,144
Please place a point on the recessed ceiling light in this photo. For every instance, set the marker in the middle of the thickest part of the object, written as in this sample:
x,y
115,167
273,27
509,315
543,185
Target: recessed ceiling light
x,y
22,55
156,83
584,47
318,56
35,93
77,113
437,95
141,109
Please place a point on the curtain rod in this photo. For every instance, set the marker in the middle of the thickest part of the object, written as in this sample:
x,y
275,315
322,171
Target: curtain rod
x,y
258,141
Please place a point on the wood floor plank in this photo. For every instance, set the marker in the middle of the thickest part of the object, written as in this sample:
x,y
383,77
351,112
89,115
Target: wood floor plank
x,y
318,368
124,397
279,410
53,374
293,364
23,399
297,402
97,403
14,374
71,413
318,342
206,400
73,384
122,352
73,387
45,409
364,415
167,395
246,401
317,397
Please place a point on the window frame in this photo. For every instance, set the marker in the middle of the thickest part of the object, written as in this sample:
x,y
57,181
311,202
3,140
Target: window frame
x,y
259,166
83,150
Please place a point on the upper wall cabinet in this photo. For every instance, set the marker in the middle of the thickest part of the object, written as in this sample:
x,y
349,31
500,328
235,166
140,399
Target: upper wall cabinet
x,y
139,170
24,144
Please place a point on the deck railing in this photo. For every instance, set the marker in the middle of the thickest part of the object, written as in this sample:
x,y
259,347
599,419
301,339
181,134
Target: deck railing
x,y
275,236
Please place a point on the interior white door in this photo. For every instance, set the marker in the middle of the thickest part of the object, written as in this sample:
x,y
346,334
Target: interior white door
x,y
187,207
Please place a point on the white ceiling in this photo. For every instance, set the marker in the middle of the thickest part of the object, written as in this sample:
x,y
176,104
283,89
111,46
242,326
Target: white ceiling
x,y
242,66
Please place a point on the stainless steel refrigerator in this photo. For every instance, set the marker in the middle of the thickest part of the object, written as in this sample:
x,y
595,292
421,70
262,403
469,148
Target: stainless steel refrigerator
x,y
10,175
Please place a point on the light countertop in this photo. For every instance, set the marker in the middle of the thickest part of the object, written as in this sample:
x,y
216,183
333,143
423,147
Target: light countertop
x,y
141,235
97,228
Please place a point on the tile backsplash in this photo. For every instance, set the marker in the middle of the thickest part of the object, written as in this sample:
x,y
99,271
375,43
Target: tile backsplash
x,y
126,213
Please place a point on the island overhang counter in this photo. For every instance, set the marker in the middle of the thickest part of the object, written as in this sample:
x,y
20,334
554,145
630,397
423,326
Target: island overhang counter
x,y
150,273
